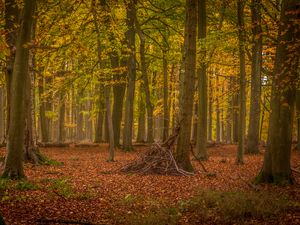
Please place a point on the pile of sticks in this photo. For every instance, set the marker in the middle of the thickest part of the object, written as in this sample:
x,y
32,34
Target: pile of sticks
x,y
157,159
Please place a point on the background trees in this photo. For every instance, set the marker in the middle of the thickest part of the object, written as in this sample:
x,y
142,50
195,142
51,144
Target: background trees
x,y
130,58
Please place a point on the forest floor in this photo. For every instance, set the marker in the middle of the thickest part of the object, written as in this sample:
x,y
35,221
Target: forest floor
x,y
85,189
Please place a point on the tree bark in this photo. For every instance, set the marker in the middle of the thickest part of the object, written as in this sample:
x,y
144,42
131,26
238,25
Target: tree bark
x,y
210,110
141,120
242,103
13,167
118,93
130,35
61,120
218,125
145,84
165,99
43,119
107,88
79,120
276,167
12,18
187,87
201,152
253,130
100,116
298,118
2,130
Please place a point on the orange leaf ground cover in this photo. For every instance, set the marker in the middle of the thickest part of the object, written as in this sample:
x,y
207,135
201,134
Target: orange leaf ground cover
x,y
86,189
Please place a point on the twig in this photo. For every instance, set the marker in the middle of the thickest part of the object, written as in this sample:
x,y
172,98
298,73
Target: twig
x,y
295,170
251,185
203,167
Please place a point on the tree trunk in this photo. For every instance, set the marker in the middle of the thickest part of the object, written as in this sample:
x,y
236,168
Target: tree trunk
x,y
242,103
107,89
100,116
111,152
235,115
61,120
130,35
141,123
201,152
79,121
13,167
210,110
253,130
43,119
298,118
276,167
2,130
146,88
229,114
12,17
218,126
118,92
165,99
187,87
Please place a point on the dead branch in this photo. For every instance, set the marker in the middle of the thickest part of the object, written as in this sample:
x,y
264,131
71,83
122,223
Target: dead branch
x,y
201,164
251,185
295,170
157,159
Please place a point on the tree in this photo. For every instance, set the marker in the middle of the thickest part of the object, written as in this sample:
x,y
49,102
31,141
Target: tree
x,y
276,167
107,88
298,117
187,87
201,152
145,84
12,14
13,167
253,130
131,63
242,99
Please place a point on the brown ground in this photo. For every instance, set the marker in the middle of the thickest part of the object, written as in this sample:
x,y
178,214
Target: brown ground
x,y
101,195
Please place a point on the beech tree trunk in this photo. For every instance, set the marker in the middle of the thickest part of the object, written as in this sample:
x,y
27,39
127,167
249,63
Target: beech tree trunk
x,y
218,125
141,118
210,110
298,118
166,98
242,93
43,107
253,130
276,167
201,152
61,120
187,87
118,93
13,167
107,88
12,17
1,115
130,35
145,84
100,116
79,121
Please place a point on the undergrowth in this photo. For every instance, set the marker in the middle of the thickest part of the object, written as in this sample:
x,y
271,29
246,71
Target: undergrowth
x,y
235,206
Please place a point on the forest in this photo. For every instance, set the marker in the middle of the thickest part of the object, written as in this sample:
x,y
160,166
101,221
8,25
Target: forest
x,y
149,112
